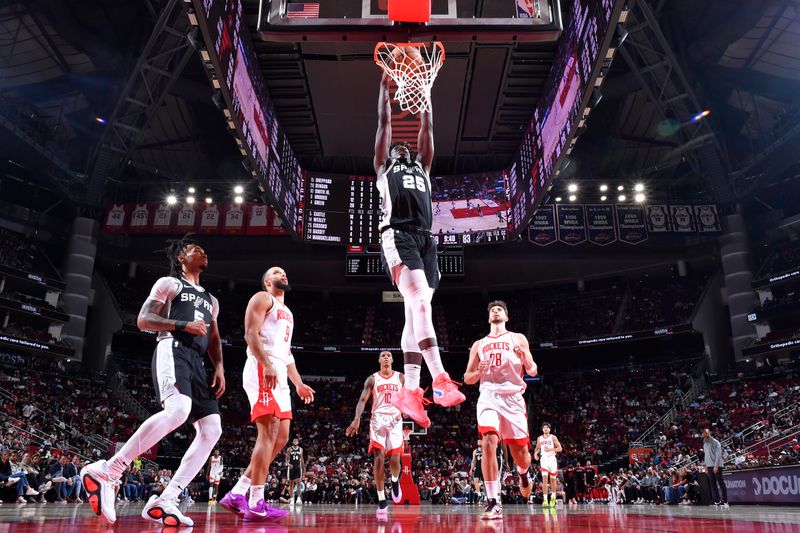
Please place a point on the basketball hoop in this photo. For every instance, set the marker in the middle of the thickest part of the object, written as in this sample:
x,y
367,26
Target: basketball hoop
x,y
407,434
413,67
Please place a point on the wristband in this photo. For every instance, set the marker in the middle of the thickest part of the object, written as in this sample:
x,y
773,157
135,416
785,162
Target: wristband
x,y
180,325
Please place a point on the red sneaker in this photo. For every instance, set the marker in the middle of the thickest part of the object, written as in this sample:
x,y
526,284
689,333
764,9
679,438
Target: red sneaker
x,y
445,391
411,403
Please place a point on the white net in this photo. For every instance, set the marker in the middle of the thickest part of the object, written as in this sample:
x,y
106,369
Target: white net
x,y
413,67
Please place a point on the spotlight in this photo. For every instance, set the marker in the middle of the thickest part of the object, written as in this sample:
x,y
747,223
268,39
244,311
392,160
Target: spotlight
x,y
209,200
572,187
558,198
238,199
701,115
100,120
603,188
171,200
638,187
620,187
603,198
639,198
191,190
238,189
572,197
621,198
190,200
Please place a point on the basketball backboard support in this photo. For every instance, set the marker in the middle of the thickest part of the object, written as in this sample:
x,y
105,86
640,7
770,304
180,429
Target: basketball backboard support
x,y
451,20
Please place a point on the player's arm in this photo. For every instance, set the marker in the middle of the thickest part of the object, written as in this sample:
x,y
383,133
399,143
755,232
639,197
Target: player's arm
x,y
254,316
556,444
150,318
383,137
366,393
305,392
523,350
472,464
215,354
475,366
425,140
538,449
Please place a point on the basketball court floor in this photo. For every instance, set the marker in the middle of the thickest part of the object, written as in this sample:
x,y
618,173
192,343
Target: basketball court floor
x,y
453,216
57,518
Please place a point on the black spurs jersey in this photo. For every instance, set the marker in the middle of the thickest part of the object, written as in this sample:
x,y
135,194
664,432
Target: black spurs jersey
x,y
294,456
184,301
405,191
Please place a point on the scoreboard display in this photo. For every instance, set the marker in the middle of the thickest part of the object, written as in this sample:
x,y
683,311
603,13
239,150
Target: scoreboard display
x,y
341,209
369,265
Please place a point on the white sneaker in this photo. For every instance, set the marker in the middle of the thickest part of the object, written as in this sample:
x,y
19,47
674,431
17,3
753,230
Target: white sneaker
x,y
20,499
12,481
44,488
100,488
165,513
30,492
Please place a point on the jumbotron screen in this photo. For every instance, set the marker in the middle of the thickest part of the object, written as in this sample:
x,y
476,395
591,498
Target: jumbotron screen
x,y
470,209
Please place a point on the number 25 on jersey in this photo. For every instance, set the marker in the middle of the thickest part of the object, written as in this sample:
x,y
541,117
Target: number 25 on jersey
x,y
413,182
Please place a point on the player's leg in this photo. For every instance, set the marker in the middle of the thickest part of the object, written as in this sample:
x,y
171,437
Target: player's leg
x,y
553,487
394,449
162,508
522,458
379,471
210,489
267,432
545,488
491,475
514,428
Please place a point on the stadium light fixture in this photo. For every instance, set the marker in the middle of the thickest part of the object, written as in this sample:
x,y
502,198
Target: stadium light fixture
x,y
620,187
572,197
191,190
238,189
639,198
100,120
701,115
209,200
621,198
238,199
638,187
603,198
171,200
190,200
572,187
558,198
603,188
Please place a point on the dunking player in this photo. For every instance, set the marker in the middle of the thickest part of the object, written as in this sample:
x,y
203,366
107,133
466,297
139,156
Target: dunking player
x,y
498,361
547,444
385,426
268,326
185,317
297,468
409,255
214,475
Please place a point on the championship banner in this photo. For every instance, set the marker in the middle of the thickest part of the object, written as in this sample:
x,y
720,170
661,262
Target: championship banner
x,y
162,219
209,220
707,219
187,217
542,230
630,221
639,455
233,222
600,224
114,221
658,220
682,218
277,225
764,485
140,219
571,224
257,220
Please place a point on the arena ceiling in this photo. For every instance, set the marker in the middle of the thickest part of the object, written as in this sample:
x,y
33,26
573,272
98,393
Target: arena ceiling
x,y
62,63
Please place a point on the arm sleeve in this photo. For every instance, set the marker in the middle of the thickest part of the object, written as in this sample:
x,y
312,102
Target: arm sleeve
x,y
164,290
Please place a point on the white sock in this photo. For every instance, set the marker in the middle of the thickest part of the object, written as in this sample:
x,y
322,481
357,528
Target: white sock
x,y
176,409
493,490
209,430
381,495
256,494
242,486
210,491
434,361
395,478
412,376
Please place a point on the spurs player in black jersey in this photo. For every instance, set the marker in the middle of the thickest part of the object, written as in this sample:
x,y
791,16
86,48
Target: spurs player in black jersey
x,y
409,255
185,317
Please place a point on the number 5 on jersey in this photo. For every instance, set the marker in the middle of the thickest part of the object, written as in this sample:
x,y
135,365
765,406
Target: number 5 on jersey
x,y
413,182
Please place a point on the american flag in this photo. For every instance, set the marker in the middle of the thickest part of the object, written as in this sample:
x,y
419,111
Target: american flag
x,y
296,10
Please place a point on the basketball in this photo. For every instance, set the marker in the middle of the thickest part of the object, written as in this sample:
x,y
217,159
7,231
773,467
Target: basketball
x,y
407,58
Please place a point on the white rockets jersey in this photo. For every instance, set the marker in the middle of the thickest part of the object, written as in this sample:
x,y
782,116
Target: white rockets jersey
x,y
542,441
505,372
276,333
216,464
382,392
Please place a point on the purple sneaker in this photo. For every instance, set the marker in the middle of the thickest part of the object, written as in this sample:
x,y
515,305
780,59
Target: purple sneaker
x,y
263,511
235,503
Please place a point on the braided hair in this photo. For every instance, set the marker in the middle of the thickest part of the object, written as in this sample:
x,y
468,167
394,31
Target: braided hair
x,y
175,247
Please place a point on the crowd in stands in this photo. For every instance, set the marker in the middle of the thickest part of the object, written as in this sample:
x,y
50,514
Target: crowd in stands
x,y
21,253
781,259
564,312
662,302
